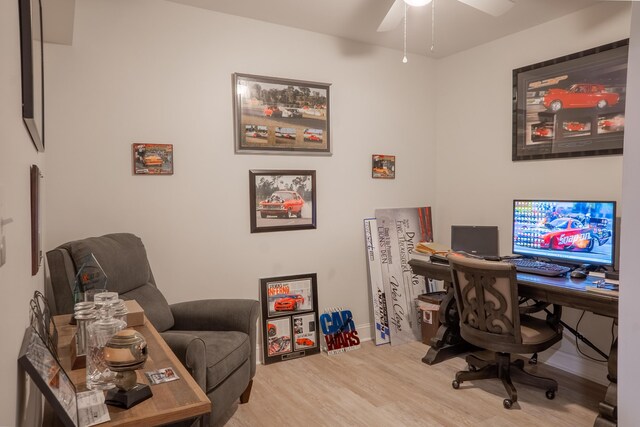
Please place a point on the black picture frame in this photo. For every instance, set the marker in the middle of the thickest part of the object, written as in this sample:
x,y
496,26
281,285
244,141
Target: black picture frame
x,y
282,200
44,369
32,62
289,322
36,251
274,115
571,106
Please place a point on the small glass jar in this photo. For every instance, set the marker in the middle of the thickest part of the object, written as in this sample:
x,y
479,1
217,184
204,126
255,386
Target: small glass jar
x,y
120,310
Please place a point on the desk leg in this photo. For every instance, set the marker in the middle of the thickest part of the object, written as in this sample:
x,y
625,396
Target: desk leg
x,y
608,409
447,342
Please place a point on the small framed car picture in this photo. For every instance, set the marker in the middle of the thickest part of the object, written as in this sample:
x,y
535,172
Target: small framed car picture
x,y
152,159
289,317
383,166
282,200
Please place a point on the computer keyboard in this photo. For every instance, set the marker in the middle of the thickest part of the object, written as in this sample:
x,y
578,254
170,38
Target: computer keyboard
x,y
525,265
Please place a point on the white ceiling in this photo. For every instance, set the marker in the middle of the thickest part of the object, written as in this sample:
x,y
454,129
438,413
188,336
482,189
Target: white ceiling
x,y
457,26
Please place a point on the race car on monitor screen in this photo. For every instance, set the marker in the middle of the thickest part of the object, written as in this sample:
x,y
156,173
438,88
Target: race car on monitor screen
x,y
566,233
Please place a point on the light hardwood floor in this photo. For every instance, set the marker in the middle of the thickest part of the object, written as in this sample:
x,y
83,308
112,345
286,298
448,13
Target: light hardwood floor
x,y
390,386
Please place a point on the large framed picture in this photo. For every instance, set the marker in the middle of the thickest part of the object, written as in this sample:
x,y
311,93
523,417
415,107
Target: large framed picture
x,y
280,116
282,200
571,106
289,317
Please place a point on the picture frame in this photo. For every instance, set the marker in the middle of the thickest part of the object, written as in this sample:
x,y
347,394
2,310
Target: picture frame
x,y
571,106
32,65
36,251
289,321
281,116
383,166
152,159
282,200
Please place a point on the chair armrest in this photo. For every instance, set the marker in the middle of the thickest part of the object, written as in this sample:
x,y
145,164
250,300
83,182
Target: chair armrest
x,y
191,351
216,315
219,315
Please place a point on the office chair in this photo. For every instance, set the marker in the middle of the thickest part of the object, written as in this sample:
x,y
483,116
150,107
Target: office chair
x,y
486,293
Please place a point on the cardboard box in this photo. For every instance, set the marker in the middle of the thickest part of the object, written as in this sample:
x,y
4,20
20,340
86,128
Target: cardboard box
x,y
135,315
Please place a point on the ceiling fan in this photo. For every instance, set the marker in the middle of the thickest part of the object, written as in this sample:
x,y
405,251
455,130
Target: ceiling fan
x,y
396,12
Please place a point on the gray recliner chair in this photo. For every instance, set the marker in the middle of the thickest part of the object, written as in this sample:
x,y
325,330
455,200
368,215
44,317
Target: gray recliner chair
x,y
214,339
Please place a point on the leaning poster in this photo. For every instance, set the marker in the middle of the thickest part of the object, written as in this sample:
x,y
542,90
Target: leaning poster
x,y
399,231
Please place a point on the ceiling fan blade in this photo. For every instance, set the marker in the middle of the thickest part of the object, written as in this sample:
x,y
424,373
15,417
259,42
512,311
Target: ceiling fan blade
x,y
492,7
394,16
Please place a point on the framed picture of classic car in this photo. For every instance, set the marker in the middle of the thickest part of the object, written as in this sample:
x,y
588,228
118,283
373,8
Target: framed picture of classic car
x,y
282,200
152,159
383,166
280,116
571,106
289,317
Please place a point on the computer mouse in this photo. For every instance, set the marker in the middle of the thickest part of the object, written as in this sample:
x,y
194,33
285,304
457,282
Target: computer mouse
x,y
579,274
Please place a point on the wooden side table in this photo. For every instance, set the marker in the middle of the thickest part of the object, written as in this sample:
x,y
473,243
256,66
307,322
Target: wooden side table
x,y
171,402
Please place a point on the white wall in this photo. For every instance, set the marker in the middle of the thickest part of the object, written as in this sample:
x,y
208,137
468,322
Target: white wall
x,y
477,179
17,154
629,345
159,72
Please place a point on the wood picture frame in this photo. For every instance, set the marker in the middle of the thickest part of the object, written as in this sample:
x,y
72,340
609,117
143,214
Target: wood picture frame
x,y
32,64
281,116
571,106
289,317
282,200
152,159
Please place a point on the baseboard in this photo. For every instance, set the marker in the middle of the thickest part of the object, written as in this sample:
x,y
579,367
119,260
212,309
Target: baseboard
x,y
577,365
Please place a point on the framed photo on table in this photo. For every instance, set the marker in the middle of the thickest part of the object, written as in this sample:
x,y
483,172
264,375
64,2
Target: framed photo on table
x,y
289,317
281,116
282,200
571,106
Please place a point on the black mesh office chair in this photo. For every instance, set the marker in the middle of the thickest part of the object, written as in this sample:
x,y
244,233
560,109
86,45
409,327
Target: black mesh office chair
x,y
486,293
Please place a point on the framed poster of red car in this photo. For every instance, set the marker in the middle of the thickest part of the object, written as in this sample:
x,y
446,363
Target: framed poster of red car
x,y
282,200
571,106
152,159
289,317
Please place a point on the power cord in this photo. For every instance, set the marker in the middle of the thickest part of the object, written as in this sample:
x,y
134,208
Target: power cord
x,y
578,344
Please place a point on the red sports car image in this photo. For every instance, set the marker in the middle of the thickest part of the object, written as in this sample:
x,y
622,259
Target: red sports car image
x,y
613,124
574,126
313,135
282,204
581,95
542,132
305,342
288,302
564,234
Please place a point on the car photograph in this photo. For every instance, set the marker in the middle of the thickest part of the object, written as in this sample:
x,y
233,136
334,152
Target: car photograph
x,y
306,342
581,95
542,132
575,126
288,302
291,112
286,133
612,124
313,135
283,204
152,160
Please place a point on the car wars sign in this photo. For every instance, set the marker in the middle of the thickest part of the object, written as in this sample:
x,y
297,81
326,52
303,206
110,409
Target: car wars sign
x,y
339,331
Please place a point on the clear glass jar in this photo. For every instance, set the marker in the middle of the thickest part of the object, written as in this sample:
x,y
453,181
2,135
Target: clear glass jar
x,y
99,376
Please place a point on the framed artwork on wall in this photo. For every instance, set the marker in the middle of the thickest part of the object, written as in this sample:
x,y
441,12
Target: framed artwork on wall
x,y
282,200
289,317
281,116
571,106
383,166
152,159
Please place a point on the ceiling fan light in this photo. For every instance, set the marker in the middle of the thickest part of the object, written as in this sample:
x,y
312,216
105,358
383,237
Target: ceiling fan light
x,y
417,2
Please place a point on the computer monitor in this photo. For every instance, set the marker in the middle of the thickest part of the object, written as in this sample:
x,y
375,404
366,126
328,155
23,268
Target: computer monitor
x,y
573,232
480,240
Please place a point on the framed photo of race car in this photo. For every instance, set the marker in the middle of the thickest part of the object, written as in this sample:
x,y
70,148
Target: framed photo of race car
x,y
152,159
571,106
280,116
289,317
282,200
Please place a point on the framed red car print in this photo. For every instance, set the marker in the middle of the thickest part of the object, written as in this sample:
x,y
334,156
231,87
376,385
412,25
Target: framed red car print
x,y
152,159
571,106
289,317
282,200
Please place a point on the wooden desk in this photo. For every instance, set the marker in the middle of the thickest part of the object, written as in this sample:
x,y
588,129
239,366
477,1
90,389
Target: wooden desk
x,y
554,290
171,402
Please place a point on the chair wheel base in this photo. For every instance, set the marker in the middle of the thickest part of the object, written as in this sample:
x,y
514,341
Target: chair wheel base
x,y
507,403
551,394
455,384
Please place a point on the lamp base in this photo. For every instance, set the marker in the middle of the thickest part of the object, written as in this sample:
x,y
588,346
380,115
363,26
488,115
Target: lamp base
x,y
127,399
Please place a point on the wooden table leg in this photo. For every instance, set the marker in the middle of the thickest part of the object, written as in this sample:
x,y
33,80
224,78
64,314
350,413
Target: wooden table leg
x,y
447,342
608,409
